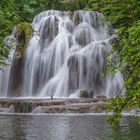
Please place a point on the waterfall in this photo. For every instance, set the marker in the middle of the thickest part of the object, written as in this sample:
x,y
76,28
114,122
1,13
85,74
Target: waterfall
x,y
67,54
10,44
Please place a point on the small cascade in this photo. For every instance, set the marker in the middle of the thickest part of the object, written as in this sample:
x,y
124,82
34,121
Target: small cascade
x,y
66,55
9,43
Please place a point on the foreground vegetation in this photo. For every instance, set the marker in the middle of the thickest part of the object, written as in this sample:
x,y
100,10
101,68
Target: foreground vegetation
x,y
125,17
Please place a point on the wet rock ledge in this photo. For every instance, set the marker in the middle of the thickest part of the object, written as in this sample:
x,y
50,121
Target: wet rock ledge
x,y
83,105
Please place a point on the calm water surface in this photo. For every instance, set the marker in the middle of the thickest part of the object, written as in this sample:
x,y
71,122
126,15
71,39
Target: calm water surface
x,y
66,127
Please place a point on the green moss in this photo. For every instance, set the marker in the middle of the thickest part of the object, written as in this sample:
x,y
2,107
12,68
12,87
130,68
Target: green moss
x,y
24,31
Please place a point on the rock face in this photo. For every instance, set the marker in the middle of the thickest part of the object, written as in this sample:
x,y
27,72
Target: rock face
x,y
22,33
16,78
49,29
76,18
83,34
73,66
86,94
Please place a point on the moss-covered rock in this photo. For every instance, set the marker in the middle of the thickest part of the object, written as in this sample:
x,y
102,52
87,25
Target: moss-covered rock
x,y
22,34
76,18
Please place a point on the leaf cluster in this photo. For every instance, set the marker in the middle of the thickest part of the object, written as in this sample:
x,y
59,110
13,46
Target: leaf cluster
x,y
125,17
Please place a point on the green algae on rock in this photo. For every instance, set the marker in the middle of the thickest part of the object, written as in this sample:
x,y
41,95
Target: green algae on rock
x,y
23,33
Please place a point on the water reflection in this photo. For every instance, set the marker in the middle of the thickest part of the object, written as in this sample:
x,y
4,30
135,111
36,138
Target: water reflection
x,y
17,128
66,127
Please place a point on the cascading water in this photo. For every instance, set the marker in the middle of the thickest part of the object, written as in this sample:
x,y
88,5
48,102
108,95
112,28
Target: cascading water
x,y
66,55
10,43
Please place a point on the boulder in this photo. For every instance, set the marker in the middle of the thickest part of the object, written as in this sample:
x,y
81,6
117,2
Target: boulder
x,y
101,97
86,94
73,66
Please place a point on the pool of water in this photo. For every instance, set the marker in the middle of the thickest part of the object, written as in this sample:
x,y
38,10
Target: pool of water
x,y
66,127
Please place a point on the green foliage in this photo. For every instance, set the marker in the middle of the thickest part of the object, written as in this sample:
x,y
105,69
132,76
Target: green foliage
x,y
72,4
120,13
13,12
24,31
124,15
8,19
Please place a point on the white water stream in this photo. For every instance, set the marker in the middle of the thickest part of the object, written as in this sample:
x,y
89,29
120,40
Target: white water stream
x,y
67,54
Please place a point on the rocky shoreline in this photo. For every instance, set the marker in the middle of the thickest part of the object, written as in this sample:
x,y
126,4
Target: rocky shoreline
x,y
81,105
